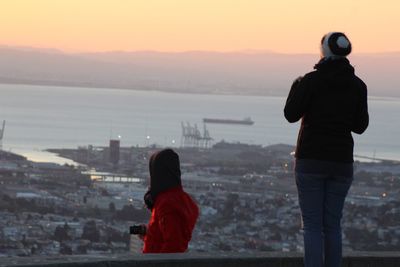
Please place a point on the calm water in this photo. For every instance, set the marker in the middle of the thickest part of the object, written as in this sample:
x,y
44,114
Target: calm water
x,y
40,117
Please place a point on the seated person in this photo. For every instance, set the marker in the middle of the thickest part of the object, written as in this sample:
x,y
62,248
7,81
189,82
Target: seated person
x,y
173,211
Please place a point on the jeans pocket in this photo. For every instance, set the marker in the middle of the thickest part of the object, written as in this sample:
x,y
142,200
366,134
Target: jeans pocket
x,y
309,181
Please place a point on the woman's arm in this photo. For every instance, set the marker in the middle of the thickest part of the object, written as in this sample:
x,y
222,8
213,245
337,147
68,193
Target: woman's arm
x,y
297,100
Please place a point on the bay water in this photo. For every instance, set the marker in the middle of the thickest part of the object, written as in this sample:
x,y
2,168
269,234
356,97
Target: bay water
x,y
41,117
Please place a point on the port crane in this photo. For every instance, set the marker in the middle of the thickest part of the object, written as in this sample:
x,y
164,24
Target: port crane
x,y
191,136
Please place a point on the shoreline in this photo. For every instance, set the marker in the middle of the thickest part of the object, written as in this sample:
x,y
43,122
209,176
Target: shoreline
x,y
177,91
54,155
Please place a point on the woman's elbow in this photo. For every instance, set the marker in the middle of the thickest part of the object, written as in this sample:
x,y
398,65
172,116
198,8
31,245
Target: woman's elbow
x,y
290,116
360,129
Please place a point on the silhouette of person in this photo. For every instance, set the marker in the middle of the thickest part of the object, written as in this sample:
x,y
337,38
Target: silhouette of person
x,y
173,212
331,103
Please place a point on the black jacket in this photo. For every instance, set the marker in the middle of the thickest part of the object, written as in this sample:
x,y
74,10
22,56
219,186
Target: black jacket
x,y
332,102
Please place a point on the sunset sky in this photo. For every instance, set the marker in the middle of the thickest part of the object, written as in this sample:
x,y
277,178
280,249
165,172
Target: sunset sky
x,y
287,26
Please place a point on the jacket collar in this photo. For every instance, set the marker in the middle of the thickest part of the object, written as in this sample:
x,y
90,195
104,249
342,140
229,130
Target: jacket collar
x,y
334,67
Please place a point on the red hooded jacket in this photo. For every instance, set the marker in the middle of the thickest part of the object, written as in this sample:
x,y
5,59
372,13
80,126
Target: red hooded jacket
x,y
173,218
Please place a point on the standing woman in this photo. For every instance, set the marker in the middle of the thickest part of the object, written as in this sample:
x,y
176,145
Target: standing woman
x,y
331,103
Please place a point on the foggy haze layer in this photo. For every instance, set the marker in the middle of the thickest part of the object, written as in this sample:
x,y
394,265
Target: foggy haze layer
x,y
244,73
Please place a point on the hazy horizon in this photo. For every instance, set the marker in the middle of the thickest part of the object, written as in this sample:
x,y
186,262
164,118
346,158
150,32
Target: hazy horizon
x,y
49,49
245,72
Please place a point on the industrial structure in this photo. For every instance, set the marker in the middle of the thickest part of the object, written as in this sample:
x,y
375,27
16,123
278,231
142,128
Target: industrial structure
x,y
2,134
192,137
114,151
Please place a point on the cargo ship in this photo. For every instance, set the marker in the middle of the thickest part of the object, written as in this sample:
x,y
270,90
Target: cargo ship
x,y
245,121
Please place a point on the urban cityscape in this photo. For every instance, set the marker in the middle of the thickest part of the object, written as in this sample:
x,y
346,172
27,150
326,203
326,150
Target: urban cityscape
x,y
246,194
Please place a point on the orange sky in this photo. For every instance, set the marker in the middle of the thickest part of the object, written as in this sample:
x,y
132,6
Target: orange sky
x,y
288,26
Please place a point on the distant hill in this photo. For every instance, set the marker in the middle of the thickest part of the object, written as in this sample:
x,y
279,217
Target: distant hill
x,y
247,72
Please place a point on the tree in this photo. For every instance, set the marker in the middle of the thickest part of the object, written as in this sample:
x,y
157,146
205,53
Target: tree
x,y
65,250
232,201
82,249
61,233
129,213
90,232
111,207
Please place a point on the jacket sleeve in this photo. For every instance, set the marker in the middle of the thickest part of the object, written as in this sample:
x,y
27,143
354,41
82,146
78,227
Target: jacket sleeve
x,y
361,121
298,99
151,237
172,230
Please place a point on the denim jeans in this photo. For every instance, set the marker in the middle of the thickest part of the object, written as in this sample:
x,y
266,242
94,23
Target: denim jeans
x,y
322,189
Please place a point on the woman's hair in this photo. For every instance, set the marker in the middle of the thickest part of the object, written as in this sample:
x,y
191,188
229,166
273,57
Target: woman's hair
x,y
165,173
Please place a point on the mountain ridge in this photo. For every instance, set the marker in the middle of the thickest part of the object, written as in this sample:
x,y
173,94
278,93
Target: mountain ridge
x,y
243,72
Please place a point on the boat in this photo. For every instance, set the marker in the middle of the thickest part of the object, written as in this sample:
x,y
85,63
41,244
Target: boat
x,y
245,121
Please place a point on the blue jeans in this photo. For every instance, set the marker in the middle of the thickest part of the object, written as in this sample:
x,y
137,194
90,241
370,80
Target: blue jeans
x,y
322,188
